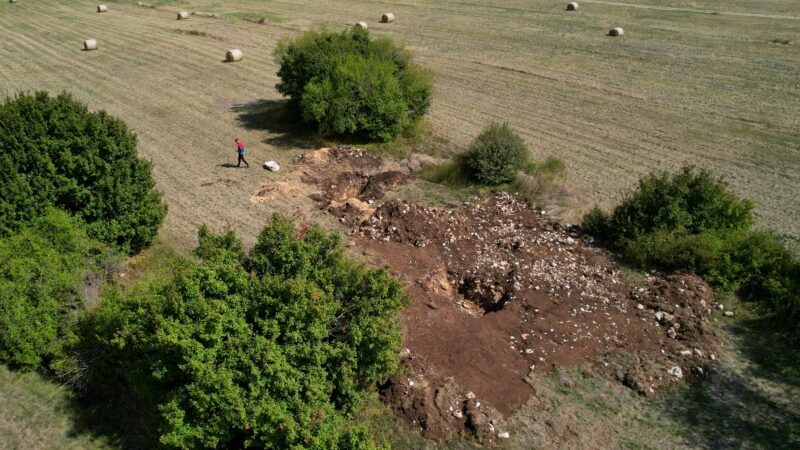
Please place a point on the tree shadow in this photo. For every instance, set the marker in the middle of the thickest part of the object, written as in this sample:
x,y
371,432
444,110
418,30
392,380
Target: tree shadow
x,y
771,349
278,118
113,414
735,409
727,412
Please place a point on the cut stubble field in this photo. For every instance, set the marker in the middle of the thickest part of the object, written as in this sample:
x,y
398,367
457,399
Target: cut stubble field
x,y
683,85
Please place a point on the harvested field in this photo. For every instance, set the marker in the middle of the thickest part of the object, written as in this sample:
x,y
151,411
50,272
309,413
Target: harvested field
x,y
502,295
692,86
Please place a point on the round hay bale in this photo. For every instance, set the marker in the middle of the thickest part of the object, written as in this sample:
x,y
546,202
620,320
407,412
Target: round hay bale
x,y
234,55
90,44
387,17
616,31
102,8
362,25
183,15
572,6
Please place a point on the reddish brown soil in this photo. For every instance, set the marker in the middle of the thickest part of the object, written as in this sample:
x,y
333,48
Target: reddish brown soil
x,y
500,292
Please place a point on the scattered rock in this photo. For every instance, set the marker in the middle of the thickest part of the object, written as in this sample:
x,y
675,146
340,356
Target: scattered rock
x,y
676,371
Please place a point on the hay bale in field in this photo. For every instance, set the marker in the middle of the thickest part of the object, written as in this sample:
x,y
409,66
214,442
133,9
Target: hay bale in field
x,y
102,8
572,6
183,15
362,25
616,31
234,55
90,44
387,17
12,1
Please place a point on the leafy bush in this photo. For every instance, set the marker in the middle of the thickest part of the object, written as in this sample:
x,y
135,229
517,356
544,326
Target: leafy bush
x,y
274,349
54,152
689,220
346,83
360,96
496,155
689,201
41,270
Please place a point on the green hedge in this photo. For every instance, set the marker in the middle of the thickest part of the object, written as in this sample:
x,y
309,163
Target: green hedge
x,y
272,349
348,84
689,220
55,152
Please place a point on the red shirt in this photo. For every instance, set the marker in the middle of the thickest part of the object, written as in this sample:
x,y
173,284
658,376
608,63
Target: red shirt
x,y
240,146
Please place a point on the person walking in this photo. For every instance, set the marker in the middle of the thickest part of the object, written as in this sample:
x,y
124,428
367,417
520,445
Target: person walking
x,y
240,150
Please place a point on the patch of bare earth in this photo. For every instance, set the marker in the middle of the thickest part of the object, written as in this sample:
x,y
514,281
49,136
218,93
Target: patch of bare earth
x,y
501,292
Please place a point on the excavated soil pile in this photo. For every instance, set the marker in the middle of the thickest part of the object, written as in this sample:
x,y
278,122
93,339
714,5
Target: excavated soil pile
x,y
501,293
338,178
348,181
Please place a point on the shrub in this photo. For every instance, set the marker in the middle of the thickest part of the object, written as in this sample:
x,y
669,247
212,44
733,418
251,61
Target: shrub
x,y
360,97
689,201
274,349
41,270
54,152
496,155
690,221
346,83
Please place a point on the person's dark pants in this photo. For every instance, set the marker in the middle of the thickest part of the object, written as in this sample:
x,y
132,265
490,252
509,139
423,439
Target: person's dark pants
x,y
242,160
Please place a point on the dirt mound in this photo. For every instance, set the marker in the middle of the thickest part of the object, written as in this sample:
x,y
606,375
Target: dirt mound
x,y
502,293
338,178
348,181
441,408
335,157
346,185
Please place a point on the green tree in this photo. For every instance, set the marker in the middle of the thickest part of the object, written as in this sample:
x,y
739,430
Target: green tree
x,y
347,83
41,270
360,97
55,152
275,349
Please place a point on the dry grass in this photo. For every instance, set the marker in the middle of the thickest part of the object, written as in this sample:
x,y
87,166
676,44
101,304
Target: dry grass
x,y
37,414
683,85
711,82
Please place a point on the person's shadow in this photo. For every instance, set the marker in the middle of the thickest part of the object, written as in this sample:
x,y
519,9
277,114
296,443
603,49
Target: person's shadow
x,y
228,166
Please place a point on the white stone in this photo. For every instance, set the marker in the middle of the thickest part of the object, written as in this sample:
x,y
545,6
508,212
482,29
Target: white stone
x,y
503,435
676,372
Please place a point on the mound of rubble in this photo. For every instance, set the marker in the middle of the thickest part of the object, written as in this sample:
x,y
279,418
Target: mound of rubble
x,y
502,293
